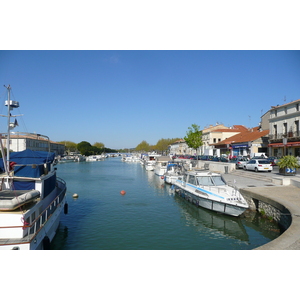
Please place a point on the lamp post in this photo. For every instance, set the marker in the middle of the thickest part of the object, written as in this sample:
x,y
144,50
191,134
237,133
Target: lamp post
x,y
284,141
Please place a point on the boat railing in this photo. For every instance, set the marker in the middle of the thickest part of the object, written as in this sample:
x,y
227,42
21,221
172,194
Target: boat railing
x,y
32,229
37,224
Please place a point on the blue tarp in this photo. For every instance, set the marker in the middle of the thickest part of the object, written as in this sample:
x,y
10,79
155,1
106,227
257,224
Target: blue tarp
x,y
29,157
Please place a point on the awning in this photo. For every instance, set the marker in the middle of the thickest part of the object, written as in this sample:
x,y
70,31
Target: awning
x,y
290,144
240,146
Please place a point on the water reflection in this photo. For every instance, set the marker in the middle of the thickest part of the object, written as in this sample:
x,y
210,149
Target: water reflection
x,y
217,223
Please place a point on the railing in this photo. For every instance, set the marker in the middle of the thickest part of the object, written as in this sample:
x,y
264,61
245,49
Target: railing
x,y
288,135
38,223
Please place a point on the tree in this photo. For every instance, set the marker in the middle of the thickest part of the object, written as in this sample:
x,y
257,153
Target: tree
x,y
70,146
99,145
84,148
193,137
163,144
143,146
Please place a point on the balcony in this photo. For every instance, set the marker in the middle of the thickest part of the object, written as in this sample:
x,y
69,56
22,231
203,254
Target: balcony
x,y
291,136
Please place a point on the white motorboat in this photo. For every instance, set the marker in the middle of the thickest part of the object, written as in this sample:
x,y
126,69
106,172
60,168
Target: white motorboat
x,y
174,170
150,161
32,198
160,167
130,158
209,190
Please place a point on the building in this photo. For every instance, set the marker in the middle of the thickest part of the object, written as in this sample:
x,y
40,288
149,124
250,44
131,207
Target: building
x,y
180,147
284,138
36,142
216,134
245,143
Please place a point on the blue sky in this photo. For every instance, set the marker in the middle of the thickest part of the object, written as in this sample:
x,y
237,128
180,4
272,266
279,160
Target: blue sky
x,y
121,98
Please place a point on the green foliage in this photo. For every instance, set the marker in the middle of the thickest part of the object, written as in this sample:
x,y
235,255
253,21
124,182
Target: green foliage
x,y
143,146
70,146
193,137
163,144
99,145
288,161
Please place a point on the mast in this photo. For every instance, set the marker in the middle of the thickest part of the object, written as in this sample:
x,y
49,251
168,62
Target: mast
x,y
10,106
8,129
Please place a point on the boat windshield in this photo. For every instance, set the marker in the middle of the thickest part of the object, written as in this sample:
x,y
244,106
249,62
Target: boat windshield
x,y
205,180
218,180
210,180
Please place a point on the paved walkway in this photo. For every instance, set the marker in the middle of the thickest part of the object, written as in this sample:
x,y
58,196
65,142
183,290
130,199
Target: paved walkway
x,y
288,196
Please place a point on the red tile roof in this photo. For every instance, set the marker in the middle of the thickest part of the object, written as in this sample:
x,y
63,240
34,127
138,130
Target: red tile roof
x,y
235,128
245,136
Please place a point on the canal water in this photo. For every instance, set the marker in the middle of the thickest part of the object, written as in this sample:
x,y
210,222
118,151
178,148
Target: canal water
x,y
148,217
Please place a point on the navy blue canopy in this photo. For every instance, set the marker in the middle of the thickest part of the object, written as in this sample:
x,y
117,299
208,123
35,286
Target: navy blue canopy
x,y
29,157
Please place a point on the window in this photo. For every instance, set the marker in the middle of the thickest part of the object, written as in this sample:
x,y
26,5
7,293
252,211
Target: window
x,y
275,112
297,127
285,128
275,131
192,179
297,106
205,180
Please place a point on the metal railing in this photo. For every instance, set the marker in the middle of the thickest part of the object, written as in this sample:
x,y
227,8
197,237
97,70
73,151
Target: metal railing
x,y
288,135
32,229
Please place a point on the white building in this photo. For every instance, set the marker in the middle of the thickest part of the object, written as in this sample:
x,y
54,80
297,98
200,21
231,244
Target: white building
x,y
20,142
284,137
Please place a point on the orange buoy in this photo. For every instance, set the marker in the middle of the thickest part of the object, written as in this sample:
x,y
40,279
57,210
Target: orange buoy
x,y
122,193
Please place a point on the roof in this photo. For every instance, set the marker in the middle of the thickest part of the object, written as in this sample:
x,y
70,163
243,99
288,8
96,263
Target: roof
x,y
285,104
235,128
245,136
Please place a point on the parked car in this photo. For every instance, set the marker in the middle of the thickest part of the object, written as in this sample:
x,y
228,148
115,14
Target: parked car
x,y
273,160
258,165
206,157
240,162
221,159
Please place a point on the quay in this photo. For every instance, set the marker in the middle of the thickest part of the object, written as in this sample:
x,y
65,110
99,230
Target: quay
x,y
277,191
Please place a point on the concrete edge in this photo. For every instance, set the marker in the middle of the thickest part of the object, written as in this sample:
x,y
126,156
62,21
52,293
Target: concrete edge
x,y
289,238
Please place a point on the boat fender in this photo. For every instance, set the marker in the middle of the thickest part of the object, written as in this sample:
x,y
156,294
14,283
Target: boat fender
x,y
66,208
46,243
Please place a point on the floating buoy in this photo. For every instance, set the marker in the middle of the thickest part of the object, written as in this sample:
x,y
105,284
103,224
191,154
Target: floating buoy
x,y
75,195
162,177
122,193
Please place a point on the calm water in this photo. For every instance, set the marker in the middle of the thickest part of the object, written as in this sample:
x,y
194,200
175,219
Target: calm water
x,y
148,217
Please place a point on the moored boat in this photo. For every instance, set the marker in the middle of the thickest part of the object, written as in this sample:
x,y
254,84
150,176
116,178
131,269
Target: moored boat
x,y
160,167
174,170
32,197
209,190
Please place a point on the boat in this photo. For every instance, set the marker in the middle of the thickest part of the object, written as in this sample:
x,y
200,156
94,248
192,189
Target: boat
x,y
32,197
150,161
174,170
209,190
160,167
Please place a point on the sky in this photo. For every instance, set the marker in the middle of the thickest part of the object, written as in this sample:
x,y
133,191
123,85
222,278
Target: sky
x,y
123,97
123,72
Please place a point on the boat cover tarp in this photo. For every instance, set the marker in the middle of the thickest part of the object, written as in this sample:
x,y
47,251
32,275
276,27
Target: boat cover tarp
x,y
29,157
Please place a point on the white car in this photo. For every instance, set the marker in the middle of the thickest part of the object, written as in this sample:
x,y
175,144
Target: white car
x,y
258,165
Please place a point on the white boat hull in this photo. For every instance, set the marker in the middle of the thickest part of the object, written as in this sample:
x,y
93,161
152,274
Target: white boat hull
x,y
224,208
208,190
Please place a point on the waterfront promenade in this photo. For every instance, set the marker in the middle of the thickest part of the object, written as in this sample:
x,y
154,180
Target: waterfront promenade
x,y
268,186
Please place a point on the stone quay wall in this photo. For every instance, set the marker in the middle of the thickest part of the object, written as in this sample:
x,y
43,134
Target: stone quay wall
x,y
267,207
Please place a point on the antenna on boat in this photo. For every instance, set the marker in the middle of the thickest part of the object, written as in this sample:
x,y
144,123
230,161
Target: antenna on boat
x,y
10,106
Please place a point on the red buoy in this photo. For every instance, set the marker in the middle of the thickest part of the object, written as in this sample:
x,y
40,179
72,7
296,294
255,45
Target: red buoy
x,y
122,193
162,177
